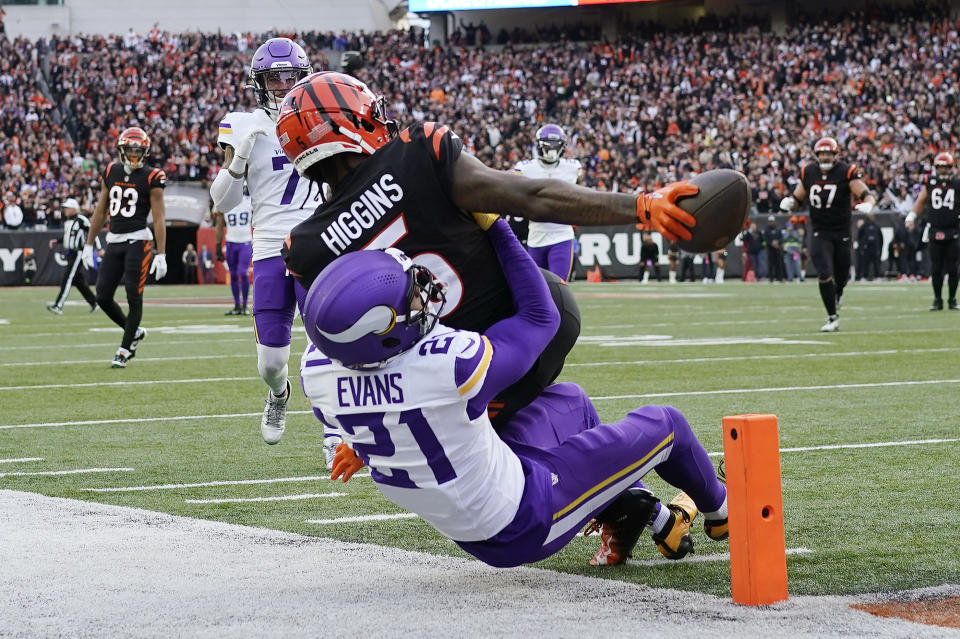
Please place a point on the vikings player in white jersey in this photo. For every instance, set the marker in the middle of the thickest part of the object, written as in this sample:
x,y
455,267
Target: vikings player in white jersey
x,y
236,223
410,398
551,245
280,200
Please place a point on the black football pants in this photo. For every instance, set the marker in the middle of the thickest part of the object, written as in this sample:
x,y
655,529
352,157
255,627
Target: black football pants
x,y
127,261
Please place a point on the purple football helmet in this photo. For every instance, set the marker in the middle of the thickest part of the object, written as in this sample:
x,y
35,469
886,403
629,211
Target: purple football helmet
x,y
278,64
368,306
550,142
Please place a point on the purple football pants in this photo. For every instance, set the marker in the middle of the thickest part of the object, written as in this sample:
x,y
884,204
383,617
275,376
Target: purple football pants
x,y
238,263
574,467
556,258
276,295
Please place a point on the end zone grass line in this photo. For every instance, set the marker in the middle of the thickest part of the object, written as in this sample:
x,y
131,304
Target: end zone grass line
x,y
244,500
75,471
702,559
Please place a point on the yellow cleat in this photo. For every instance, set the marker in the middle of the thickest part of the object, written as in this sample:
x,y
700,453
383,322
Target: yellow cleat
x,y
674,541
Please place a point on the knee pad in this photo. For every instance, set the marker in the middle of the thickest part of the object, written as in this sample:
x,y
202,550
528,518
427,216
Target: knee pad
x,y
272,364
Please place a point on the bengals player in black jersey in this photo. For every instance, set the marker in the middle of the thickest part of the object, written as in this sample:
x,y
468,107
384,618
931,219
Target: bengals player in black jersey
x,y
414,190
829,185
938,205
129,190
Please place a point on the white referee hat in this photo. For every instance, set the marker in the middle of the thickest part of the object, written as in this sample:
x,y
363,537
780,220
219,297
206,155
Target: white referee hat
x,y
71,203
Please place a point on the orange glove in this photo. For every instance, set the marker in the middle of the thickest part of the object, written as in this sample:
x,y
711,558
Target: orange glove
x,y
345,463
659,209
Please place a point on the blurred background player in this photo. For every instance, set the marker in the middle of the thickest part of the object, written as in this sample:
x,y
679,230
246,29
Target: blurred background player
x,y
129,191
279,200
239,251
829,185
75,231
549,244
507,498
937,203
649,258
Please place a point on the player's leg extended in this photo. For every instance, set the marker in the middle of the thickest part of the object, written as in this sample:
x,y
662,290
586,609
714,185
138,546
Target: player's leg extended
x,y
560,259
274,302
136,266
821,252
938,254
548,366
233,265
80,281
952,266
841,263
108,279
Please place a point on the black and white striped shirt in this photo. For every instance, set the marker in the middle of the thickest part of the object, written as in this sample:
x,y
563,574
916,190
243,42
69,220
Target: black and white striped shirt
x,y
75,231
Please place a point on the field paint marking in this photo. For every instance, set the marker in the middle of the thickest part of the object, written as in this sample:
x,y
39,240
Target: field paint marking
x,y
350,520
736,358
61,346
908,442
75,471
699,559
203,380
228,482
20,459
242,500
733,391
139,359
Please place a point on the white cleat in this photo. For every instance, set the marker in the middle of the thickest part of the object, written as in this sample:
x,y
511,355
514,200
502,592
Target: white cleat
x,y
832,325
274,420
138,337
330,444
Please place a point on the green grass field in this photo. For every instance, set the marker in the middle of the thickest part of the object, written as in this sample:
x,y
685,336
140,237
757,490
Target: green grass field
x,y
186,411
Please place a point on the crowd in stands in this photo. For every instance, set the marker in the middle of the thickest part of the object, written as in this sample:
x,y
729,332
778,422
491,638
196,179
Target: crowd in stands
x,y
650,107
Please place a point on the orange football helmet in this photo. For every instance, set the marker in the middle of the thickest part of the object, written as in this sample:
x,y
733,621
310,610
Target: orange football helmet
x,y
328,113
134,145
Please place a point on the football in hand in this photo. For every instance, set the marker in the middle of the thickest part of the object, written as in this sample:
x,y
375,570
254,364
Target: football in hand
x,y
721,208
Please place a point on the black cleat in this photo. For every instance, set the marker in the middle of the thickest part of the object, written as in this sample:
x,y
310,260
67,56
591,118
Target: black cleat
x,y
620,525
952,305
936,306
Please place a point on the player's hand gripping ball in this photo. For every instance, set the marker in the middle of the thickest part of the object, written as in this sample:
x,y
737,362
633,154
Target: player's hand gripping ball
x,y
721,207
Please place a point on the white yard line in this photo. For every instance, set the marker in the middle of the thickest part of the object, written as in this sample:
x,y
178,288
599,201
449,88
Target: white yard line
x,y
137,420
734,391
737,358
243,500
75,471
701,559
350,520
20,459
139,359
229,482
201,380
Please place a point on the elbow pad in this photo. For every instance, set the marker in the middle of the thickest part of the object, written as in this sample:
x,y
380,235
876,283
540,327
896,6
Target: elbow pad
x,y
226,191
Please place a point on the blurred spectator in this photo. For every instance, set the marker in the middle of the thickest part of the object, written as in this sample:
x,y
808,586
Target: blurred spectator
x,y
189,260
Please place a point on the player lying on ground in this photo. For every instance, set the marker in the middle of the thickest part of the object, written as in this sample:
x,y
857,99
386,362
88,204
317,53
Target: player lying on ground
x,y
410,396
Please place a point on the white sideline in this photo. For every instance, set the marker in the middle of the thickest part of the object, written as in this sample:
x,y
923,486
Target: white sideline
x,y
202,380
781,389
739,358
139,359
20,459
243,500
228,482
702,559
75,471
362,518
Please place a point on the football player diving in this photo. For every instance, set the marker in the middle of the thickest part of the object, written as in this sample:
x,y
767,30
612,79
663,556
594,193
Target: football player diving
x,y
279,199
413,190
828,185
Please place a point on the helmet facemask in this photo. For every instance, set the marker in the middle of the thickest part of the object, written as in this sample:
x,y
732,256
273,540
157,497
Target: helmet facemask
x,y
826,160
551,142
272,86
133,156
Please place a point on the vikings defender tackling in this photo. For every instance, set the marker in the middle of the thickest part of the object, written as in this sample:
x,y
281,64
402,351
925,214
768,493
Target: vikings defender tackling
x,y
549,244
280,200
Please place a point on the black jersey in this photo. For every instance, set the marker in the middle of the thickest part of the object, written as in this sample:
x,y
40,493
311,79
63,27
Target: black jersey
x,y
400,196
829,195
942,207
128,195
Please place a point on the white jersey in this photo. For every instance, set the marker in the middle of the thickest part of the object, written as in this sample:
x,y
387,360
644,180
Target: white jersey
x,y
568,170
238,220
409,420
280,198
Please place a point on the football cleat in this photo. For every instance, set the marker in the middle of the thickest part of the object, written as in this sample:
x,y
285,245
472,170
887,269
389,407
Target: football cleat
x,y
234,311
832,325
620,525
839,301
138,337
120,359
952,305
330,444
93,308
243,311
717,529
274,420
937,305
53,308
674,541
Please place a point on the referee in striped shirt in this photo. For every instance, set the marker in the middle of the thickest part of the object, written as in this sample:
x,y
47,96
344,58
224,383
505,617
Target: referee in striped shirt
x,y
75,231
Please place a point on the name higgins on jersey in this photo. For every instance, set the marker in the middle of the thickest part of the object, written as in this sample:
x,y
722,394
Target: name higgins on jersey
x,y
370,390
362,214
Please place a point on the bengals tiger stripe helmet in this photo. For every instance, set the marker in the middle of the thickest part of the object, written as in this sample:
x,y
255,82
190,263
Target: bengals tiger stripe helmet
x,y
328,113
134,145
943,165
826,150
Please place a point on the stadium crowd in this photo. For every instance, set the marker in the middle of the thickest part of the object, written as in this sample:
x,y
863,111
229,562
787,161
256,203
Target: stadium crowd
x,y
646,109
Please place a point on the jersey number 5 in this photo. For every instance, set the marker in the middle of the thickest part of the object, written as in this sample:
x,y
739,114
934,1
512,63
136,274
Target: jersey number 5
x,y
122,201
383,446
